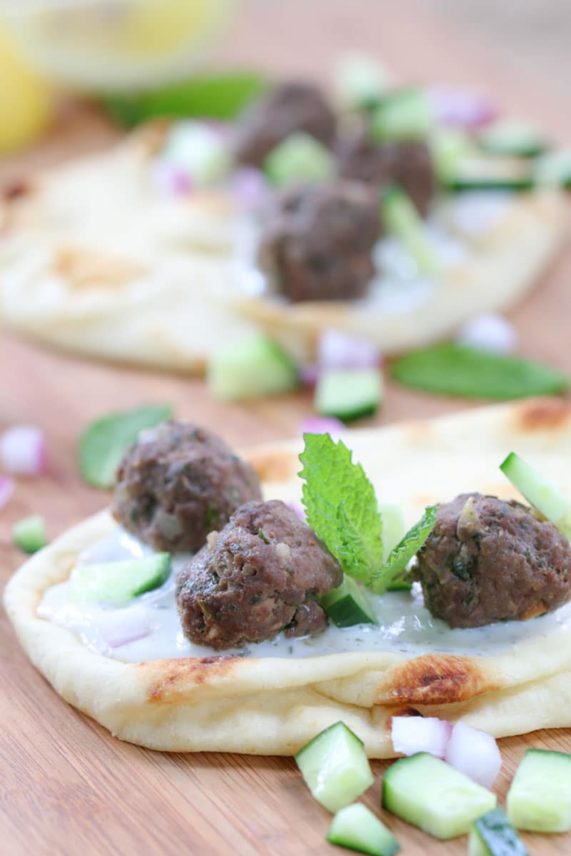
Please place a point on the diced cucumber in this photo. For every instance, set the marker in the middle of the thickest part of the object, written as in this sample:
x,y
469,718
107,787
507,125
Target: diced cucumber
x,y
403,115
539,492
357,828
493,835
553,169
200,151
515,139
119,582
432,795
29,534
401,219
254,367
461,183
335,767
348,604
360,81
300,157
540,795
449,149
394,527
348,393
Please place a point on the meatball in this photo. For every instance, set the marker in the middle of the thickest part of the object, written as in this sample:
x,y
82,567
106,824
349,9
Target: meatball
x,y
259,575
318,241
178,483
490,560
408,164
287,109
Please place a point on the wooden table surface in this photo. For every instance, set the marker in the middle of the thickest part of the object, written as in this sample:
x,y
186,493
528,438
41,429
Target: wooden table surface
x,y
67,787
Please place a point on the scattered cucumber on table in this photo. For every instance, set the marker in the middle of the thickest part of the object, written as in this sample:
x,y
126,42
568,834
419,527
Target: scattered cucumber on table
x,y
357,828
335,767
430,794
493,835
348,604
300,157
29,534
254,367
539,798
539,492
349,394
553,169
119,582
515,139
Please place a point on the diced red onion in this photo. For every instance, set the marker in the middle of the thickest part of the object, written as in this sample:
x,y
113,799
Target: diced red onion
x,y
338,350
298,508
321,425
460,108
250,188
23,450
489,333
170,179
474,753
118,627
411,734
6,490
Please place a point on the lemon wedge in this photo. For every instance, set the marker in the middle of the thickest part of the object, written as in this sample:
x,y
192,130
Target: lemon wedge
x,y
103,45
25,99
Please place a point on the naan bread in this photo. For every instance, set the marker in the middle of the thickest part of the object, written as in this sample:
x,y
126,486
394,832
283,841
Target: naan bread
x,y
273,706
95,260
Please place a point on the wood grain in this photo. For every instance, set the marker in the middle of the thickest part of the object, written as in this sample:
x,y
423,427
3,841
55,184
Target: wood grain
x,y
66,786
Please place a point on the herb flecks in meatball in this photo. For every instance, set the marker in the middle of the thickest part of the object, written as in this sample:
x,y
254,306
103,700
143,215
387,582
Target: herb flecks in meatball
x,y
261,574
408,164
177,484
287,109
492,560
318,241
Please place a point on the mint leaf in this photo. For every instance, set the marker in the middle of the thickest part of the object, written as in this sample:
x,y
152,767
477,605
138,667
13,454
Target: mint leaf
x,y
103,443
221,96
452,369
341,506
391,573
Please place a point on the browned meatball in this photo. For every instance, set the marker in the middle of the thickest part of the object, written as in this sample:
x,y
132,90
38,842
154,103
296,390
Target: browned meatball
x,y
490,560
408,164
178,483
287,109
259,575
318,241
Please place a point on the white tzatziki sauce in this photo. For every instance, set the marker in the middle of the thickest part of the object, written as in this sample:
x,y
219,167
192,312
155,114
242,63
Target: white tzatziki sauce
x,y
397,287
148,628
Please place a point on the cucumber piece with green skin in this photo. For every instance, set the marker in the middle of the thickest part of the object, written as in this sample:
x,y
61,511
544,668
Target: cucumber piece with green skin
x,y
360,81
119,582
553,169
539,798
515,139
461,184
335,767
300,157
540,493
29,534
348,604
449,148
401,219
432,795
402,115
356,828
252,368
349,394
493,835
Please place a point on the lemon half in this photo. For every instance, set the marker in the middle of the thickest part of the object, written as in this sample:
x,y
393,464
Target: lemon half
x,y
26,104
103,45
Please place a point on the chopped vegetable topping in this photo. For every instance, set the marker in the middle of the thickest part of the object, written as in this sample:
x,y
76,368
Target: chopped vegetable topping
x,y
23,450
102,444
451,369
493,835
30,534
357,828
539,492
119,582
540,795
299,158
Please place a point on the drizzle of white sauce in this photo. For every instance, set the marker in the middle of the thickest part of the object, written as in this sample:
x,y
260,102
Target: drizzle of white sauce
x,y
404,624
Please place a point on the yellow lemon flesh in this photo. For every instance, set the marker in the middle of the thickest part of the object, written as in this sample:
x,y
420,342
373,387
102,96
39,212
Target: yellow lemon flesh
x,y
119,44
25,100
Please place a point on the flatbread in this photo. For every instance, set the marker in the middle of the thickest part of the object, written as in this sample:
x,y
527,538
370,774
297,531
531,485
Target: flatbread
x,y
158,281
274,705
